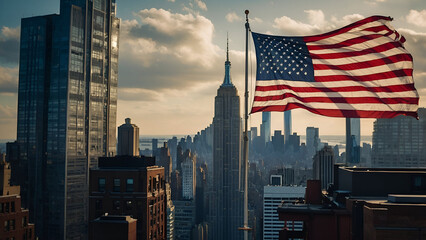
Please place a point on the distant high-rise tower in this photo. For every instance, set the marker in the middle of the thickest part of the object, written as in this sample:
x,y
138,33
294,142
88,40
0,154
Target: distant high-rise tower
x,y
165,160
188,175
67,103
265,128
400,142
226,211
353,141
287,126
312,140
128,139
323,166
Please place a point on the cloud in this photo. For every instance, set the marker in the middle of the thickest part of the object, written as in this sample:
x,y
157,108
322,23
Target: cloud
x,y
202,5
416,45
160,49
317,23
8,80
374,2
185,36
256,20
171,0
233,17
417,18
142,95
7,112
9,45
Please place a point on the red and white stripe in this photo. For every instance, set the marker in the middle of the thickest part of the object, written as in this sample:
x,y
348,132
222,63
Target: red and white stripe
x,y
361,71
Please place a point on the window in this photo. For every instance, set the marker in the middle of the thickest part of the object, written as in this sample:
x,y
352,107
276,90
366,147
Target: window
x,y
98,204
116,205
129,185
6,209
128,205
101,184
24,221
12,206
116,187
6,226
12,224
2,208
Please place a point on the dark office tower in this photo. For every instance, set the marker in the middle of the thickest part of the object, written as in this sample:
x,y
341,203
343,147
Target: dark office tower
x,y
66,111
176,185
154,143
278,141
179,157
353,141
165,160
226,211
201,188
323,166
312,140
253,131
294,142
172,143
128,139
400,142
265,127
287,126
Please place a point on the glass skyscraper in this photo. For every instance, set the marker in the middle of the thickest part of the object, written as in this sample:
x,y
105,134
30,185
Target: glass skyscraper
x,y
400,142
287,126
67,106
265,128
353,141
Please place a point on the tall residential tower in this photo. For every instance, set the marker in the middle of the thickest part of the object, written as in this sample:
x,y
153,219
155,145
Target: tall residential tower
x,y
67,106
128,139
226,210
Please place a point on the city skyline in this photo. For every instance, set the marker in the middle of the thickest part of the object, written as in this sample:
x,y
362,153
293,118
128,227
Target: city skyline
x,y
168,73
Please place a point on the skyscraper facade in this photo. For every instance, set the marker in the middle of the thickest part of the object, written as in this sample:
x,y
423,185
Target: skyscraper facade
x,y
128,139
287,126
400,141
312,140
265,128
353,141
323,166
226,211
188,176
67,105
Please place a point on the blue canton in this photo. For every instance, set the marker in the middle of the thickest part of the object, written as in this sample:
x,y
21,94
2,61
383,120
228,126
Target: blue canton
x,y
282,58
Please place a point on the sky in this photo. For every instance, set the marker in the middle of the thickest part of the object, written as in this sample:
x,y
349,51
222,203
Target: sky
x,y
172,54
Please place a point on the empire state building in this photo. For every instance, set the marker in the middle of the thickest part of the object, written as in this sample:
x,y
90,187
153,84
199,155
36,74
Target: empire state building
x,y
227,204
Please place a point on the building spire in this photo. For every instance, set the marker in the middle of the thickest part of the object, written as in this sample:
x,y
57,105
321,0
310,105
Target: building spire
x,y
227,79
227,47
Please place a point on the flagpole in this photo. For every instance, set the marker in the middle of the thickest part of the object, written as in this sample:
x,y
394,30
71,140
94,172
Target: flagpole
x,y
246,228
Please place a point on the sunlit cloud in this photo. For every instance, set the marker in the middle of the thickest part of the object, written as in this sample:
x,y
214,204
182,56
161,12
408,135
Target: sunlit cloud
x,y
417,18
317,23
233,17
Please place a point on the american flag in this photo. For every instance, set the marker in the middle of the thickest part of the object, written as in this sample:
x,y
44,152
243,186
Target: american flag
x,y
359,71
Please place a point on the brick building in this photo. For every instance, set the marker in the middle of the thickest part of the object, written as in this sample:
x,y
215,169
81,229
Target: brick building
x,y
130,186
14,219
363,204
